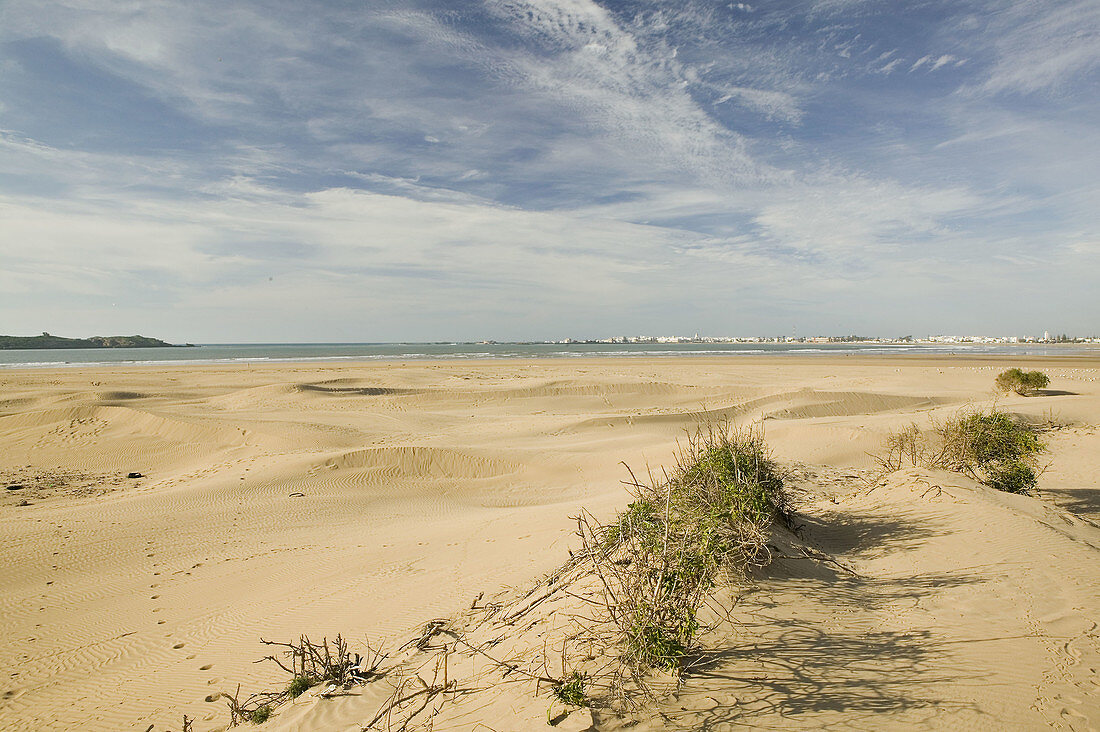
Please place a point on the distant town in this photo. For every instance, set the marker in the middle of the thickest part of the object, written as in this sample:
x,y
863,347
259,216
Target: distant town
x,y
1045,338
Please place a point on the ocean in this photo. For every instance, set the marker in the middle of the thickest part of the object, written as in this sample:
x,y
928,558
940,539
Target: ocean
x,y
228,353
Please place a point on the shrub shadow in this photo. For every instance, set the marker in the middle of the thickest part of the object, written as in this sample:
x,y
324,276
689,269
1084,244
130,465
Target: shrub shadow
x,y
865,537
814,645
1080,501
800,668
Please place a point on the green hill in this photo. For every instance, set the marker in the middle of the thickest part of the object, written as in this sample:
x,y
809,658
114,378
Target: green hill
x,y
51,341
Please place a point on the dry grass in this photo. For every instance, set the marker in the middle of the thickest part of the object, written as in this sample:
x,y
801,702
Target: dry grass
x,y
314,663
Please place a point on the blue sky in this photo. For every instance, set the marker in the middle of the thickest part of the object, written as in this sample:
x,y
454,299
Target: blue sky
x,y
511,169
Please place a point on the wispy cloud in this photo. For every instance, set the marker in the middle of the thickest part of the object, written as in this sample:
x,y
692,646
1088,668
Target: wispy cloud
x,y
1043,47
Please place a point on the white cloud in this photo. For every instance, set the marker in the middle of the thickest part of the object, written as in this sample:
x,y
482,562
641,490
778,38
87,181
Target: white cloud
x,y
1043,46
845,216
366,240
888,68
920,62
773,104
631,89
942,61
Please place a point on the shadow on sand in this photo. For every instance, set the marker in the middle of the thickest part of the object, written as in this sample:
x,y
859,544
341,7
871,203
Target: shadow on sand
x,y
1080,501
811,649
862,537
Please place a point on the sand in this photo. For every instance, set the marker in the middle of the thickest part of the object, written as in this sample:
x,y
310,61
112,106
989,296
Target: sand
x,y
126,602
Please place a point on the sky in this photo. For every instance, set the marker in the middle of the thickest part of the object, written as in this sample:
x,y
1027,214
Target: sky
x,y
369,171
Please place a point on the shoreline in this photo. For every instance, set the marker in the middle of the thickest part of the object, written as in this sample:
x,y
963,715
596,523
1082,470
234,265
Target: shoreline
x,y
265,356
325,363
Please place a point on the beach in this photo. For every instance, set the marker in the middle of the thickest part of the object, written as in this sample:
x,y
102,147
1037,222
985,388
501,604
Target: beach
x,y
369,498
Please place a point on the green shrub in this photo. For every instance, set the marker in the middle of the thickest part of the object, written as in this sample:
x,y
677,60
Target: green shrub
x,y
1023,383
572,690
259,715
1013,477
979,441
991,447
298,686
662,557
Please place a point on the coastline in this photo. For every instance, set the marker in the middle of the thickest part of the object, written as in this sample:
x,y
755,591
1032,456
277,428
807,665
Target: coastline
x,y
212,354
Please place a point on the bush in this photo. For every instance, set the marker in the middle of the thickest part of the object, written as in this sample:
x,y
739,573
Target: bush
x,y
992,447
661,558
572,691
980,442
259,715
298,685
1014,477
1023,383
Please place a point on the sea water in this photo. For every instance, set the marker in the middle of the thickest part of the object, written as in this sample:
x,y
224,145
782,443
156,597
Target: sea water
x,y
244,353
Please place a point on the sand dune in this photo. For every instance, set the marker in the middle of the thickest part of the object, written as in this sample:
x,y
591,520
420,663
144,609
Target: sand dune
x,y
126,602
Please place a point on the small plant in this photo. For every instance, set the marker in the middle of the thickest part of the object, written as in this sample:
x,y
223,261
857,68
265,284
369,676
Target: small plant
x,y
255,709
572,690
655,646
259,715
308,663
1023,383
298,686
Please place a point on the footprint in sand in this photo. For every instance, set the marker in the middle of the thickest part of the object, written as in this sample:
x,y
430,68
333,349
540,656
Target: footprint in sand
x,y
206,667
179,645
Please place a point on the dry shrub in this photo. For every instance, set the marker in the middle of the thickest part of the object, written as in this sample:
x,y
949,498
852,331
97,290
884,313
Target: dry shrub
x,y
313,663
908,445
309,664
